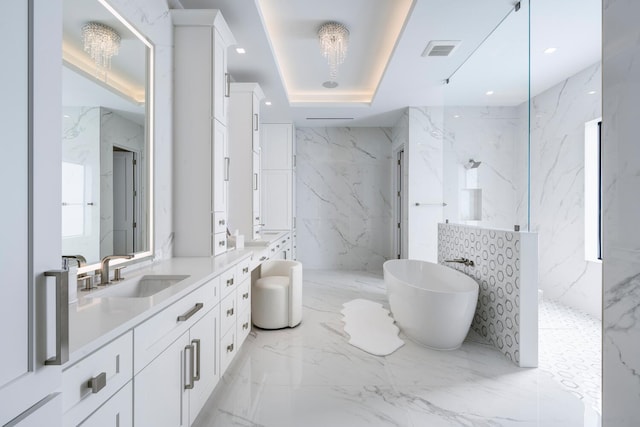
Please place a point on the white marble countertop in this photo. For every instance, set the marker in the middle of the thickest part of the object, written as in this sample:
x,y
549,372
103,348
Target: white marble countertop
x,y
267,237
94,322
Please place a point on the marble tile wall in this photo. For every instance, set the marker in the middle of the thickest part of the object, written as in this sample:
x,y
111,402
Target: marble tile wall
x,y
558,116
621,183
343,197
489,135
505,269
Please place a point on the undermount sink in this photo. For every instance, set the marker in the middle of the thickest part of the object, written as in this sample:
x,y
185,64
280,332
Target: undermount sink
x,y
140,287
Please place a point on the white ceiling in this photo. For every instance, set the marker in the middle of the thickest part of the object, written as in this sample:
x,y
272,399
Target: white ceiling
x,y
500,63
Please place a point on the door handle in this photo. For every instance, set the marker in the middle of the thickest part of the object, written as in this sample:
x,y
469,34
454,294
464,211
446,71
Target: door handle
x,y
196,344
191,312
62,317
189,385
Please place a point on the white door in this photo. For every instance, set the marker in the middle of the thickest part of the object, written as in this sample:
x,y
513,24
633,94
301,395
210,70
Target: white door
x,y
124,222
277,145
220,78
30,190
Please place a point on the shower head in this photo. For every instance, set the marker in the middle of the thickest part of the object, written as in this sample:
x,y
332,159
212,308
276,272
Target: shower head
x,y
472,164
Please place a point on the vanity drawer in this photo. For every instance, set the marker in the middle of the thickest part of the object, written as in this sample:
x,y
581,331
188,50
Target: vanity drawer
x,y
228,281
219,222
89,383
243,270
157,333
117,412
219,243
243,295
228,313
243,326
227,349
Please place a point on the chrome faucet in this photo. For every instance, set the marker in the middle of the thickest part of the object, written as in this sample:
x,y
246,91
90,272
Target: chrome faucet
x,y
104,267
464,261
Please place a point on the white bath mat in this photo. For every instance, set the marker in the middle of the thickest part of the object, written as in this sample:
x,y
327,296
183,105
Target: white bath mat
x,y
370,327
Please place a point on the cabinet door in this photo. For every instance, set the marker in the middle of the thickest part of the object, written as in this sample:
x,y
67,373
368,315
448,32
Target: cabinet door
x,y
220,79
277,199
204,336
160,397
276,140
256,124
220,162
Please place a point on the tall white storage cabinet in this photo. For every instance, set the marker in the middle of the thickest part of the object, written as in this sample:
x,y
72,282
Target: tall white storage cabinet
x,y
30,189
244,151
279,178
201,159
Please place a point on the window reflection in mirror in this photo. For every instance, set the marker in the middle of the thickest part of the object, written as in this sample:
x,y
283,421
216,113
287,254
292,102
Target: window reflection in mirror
x,y
105,135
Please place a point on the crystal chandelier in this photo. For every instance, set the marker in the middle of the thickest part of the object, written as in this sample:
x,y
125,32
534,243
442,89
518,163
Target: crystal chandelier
x,y
334,41
101,42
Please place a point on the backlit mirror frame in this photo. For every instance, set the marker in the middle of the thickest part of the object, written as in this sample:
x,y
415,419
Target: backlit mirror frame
x,y
149,143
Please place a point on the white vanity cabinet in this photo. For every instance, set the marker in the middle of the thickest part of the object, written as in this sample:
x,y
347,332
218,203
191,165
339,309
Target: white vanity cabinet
x,y
201,163
278,179
173,388
244,183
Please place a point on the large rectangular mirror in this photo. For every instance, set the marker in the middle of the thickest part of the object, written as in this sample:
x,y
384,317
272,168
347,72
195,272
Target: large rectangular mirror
x,y
106,134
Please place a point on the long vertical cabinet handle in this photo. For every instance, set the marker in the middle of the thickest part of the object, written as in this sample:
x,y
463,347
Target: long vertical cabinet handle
x,y
227,85
255,181
226,168
62,317
196,374
188,385
255,116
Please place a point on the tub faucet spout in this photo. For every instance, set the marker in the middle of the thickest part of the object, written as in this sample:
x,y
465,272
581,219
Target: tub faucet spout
x,y
465,261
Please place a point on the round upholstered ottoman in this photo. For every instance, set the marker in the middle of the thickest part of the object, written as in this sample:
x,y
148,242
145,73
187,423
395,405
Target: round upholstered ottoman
x,y
270,301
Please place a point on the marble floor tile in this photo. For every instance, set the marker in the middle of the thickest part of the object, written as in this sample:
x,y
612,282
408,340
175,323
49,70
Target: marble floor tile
x,y
310,376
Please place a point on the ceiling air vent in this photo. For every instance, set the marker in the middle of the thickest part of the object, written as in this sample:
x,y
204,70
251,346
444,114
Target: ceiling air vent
x,y
441,47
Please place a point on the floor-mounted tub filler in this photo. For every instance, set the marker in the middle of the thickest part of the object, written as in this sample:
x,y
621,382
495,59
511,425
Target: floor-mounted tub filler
x,y
431,303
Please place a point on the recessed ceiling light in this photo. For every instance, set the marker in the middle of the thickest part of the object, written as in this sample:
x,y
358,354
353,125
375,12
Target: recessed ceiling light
x,y
489,92
550,50
592,92
330,84
267,102
66,116
456,116
241,50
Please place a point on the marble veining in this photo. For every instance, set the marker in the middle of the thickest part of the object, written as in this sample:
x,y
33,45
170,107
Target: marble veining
x,y
558,117
343,204
311,376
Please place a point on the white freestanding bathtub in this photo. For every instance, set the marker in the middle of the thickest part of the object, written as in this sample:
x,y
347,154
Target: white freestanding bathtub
x,y
431,303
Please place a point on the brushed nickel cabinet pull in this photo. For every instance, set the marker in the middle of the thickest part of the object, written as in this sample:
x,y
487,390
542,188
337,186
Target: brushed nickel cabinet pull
x,y
221,243
189,385
245,295
230,312
62,317
98,382
230,282
245,270
230,348
227,85
245,325
191,312
196,344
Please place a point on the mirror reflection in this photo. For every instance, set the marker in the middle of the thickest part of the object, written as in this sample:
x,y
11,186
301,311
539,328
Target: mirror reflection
x,y
105,160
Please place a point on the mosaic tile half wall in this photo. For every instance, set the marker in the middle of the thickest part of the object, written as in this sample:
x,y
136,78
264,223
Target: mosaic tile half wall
x,y
507,272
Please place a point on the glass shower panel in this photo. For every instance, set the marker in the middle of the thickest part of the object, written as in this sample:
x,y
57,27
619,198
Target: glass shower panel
x,y
486,124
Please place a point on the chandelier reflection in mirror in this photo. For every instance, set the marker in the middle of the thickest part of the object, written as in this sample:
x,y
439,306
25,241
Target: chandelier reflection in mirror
x,y
101,42
334,41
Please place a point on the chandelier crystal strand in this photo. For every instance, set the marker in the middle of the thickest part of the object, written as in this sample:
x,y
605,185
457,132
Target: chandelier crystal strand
x,y
334,42
101,42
